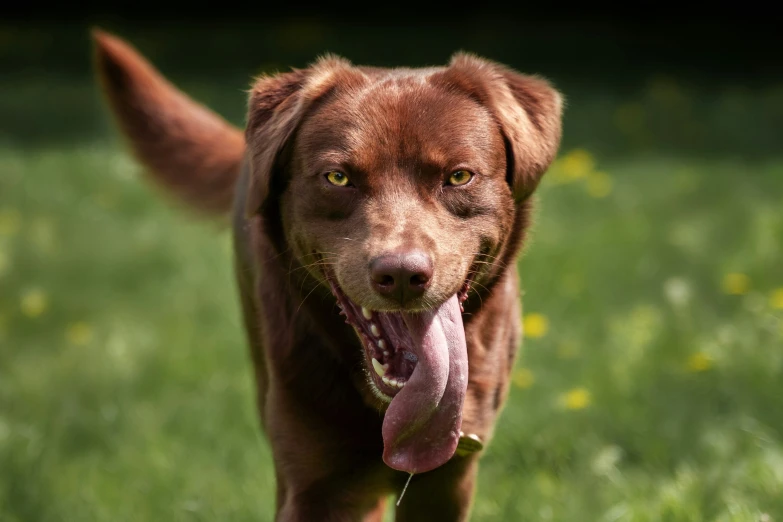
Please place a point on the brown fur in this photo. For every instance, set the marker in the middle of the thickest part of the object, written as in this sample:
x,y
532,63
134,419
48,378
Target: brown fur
x,y
396,132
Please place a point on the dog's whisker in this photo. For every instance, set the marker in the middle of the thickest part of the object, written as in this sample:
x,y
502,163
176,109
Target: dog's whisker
x,y
489,256
310,265
279,254
305,299
314,261
477,292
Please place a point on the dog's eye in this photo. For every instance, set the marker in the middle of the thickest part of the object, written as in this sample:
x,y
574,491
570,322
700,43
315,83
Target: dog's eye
x,y
336,177
460,177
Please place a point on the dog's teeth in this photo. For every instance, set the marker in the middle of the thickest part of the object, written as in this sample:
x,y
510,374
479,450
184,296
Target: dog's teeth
x,y
400,384
381,344
392,382
385,380
379,368
366,313
385,353
374,330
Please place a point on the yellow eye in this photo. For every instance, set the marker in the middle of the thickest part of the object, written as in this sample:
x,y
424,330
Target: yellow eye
x,y
460,177
336,177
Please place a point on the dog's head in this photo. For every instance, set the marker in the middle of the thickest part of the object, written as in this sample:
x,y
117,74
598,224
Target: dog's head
x,y
399,189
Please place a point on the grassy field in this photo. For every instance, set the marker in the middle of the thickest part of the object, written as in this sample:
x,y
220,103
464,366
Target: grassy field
x,y
649,388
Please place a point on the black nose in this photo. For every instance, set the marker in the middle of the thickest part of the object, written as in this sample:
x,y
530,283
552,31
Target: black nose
x,y
401,276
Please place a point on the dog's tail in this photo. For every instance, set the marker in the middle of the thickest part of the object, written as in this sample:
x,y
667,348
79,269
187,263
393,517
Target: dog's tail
x,y
188,149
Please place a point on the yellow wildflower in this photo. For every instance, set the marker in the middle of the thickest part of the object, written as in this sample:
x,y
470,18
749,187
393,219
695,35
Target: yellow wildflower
x,y
576,399
699,362
10,221
33,302
576,164
523,378
79,333
736,283
599,184
535,325
776,299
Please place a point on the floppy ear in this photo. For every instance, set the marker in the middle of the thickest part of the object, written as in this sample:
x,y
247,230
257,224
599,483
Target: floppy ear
x,y
527,108
276,107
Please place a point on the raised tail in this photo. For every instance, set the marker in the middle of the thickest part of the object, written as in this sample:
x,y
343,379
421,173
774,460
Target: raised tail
x,y
188,149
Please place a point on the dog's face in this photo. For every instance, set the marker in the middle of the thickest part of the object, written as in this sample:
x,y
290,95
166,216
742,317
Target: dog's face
x,y
398,190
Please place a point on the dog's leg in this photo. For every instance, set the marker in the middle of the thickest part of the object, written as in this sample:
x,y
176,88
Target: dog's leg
x,y
444,494
327,466
324,503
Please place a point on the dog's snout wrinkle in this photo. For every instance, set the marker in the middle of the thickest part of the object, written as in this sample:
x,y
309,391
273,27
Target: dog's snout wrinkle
x,y
401,275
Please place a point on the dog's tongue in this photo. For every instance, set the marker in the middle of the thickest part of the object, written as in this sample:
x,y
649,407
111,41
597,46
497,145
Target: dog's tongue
x,y
422,423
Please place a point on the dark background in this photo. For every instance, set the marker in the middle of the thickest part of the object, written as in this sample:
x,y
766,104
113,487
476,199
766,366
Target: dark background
x,y
590,56
593,48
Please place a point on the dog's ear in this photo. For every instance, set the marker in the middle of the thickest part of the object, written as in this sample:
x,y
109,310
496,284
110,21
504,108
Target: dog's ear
x,y
277,105
528,110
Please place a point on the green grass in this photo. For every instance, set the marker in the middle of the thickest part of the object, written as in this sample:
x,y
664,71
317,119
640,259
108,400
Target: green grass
x,y
651,392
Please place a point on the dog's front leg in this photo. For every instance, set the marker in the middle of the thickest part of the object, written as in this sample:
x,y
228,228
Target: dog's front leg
x,y
297,512
444,494
326,446
335,501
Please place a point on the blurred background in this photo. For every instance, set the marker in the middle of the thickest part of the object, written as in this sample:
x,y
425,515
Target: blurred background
x,y
649,386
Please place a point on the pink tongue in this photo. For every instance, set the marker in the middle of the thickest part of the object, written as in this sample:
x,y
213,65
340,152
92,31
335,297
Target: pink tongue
x,y
422,423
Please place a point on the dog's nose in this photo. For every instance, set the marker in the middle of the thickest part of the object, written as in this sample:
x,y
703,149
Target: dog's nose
x,y
401,276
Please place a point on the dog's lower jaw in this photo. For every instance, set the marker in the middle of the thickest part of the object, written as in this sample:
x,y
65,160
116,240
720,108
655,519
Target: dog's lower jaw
x,y
377,393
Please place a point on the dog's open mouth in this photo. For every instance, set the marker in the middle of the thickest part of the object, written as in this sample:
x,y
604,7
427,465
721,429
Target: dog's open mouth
x,y
418,363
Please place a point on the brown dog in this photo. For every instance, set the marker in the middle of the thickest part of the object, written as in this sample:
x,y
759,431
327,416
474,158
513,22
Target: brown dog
x,y
378,215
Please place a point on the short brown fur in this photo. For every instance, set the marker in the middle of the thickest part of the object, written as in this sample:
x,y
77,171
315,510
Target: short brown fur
x,y
396,132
